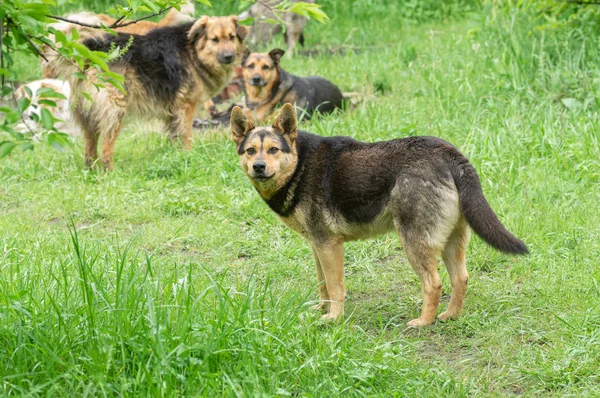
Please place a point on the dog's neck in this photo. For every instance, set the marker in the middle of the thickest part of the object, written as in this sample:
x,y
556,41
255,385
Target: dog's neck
x,y
283,201
213,78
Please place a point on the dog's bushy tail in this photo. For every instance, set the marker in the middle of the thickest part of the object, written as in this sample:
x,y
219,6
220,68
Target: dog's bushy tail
x,y
478,212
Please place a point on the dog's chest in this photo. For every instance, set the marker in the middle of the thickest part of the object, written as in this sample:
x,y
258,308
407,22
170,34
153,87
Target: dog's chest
x,y
296,222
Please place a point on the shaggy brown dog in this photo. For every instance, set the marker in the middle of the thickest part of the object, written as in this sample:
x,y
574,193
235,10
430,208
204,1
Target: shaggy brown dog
x,y
167,73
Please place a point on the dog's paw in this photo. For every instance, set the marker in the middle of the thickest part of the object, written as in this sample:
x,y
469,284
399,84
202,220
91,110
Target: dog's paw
x,y
446,315
331,317
419,323
321,306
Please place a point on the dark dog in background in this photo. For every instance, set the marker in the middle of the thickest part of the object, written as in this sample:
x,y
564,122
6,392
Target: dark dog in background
x,y
336,189
262,32
268,86
167,73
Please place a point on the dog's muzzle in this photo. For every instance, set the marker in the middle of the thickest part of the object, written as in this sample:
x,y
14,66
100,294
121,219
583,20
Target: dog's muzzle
x,y
226,58
258,81
259,168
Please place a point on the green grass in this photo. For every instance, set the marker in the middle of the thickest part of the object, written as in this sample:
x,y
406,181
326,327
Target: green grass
x,y
169,276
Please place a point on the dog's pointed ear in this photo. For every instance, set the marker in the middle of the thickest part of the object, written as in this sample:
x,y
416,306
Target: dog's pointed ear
x,y
245,56
286,122
198,29
240,125
241,30
276,55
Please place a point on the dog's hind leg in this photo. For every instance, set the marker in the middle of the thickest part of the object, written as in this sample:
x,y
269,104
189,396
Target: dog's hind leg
x,y
91,146
331,260
454,258
423,258
108,143
323,295
91,134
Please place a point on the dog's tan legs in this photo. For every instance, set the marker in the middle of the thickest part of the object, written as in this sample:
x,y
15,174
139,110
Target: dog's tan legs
x,y
324,296
454,258
181,125
423,260
331,259
108,144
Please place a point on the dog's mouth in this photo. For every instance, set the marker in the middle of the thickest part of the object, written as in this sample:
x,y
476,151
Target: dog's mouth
x,y
262,178
259,83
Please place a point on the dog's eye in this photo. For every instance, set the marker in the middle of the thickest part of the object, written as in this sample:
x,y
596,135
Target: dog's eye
x,y
251,66
251,151
273,150
231,37
215,39
265,67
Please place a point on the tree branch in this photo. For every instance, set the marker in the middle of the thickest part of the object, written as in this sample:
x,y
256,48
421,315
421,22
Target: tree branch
x,y
115,25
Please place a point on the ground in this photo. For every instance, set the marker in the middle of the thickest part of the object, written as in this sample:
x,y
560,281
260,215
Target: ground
x,y
171,276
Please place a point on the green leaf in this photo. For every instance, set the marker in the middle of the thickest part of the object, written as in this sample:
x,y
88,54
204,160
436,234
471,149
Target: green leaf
x,y
48,92
47,119
272,21
6,147
309,10
28,146
47,102
22,104
247,22
205,2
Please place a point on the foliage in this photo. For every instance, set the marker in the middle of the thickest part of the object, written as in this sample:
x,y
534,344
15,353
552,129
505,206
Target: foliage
x,y
26,29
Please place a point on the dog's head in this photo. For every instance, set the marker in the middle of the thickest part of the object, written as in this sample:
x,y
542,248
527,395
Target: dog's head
x,y
218,41
268,155
262,69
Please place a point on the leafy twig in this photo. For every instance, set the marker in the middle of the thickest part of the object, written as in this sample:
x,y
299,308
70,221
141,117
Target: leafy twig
x,y
115,25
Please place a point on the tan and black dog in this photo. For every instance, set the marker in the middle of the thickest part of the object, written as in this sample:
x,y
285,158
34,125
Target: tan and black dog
x,y
336,189
268,86
167,73
263,32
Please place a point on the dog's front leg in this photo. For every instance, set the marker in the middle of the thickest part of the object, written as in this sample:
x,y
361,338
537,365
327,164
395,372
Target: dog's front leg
x,y
323,295
180,124
331,260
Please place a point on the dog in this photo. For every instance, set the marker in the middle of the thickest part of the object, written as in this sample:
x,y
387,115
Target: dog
x,y
38,100
167,73
173,17
336,189
263,32
268,86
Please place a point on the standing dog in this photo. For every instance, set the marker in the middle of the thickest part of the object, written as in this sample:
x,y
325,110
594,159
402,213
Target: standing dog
x,y
262,32
335,189
268,86
167,73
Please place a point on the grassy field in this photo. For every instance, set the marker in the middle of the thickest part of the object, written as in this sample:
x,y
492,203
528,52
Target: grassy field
x,y
170,276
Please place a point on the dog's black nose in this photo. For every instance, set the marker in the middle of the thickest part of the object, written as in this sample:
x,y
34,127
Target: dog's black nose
x,y
255,79
259,167
227,58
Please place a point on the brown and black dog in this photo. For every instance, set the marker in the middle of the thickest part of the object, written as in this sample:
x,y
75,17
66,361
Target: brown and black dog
x,y
167,73
269,86
336,189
